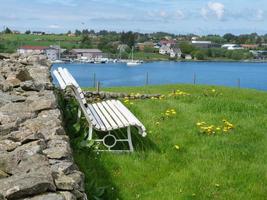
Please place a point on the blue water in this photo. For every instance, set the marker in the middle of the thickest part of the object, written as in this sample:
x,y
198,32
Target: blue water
x,y
251,75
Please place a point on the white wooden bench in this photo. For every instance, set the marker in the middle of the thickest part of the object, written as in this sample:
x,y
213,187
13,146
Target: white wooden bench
x,y
105,116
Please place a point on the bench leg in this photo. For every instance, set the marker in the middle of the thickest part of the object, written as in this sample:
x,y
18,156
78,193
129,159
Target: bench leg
x,y
130,139
79,113
90,132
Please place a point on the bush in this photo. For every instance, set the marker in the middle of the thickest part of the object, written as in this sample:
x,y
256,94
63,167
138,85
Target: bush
x,y
200,55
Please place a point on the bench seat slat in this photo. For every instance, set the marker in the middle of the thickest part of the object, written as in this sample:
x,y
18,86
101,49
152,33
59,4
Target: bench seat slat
x,y
113,114
102,117
132,119
96,117
118,113
107,116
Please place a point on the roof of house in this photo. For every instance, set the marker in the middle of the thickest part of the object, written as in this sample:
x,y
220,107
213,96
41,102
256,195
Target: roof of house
x,y
250,45
86,50
200,42
163,42
28,47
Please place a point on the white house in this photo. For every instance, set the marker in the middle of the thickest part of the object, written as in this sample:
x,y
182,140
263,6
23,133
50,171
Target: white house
x,y
164,49
232,47
188,57
31,49
175,52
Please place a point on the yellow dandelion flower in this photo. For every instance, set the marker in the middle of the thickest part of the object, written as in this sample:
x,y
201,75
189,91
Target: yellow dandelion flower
x,y
176,147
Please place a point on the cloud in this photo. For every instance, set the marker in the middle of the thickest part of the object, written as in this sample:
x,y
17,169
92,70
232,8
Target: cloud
x,y
259,15
70,3
213,9
54,26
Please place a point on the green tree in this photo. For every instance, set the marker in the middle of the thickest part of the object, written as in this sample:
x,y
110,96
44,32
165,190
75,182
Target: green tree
x,y
186,48
128,38
28,32
229,37
200,55
86,42
7,31
78,32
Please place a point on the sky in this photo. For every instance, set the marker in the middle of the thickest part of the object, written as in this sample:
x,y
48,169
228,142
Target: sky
x,y
174,16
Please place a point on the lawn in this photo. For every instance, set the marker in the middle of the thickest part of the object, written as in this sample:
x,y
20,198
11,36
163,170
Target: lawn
x,y
149,56
12,41
177,161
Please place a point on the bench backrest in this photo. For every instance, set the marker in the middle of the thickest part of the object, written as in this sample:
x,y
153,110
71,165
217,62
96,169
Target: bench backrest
x,y
65,79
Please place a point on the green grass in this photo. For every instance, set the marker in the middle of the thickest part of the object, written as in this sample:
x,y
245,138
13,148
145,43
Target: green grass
x,y
224,166
150,56
12,41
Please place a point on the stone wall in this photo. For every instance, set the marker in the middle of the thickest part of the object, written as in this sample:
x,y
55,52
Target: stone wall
x,y
36,161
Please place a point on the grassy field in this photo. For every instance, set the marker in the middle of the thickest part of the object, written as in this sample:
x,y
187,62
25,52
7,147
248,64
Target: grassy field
x,y
12,41
149,56
177,161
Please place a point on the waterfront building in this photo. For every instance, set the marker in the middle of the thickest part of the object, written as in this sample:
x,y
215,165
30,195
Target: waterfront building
x,y
232,47
250,46
204,44
87,53
27,49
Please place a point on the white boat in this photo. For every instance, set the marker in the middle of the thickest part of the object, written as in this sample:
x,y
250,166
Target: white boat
x,y
57,61
133,62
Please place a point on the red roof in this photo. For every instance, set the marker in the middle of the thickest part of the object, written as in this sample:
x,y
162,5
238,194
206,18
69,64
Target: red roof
x,y
165,42
34,47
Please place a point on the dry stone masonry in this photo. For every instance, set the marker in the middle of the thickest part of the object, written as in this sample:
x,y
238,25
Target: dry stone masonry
x,y
36,161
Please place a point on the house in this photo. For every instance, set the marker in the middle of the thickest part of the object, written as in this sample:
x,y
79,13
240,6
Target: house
x,y
260,54
188,57
142,46
53,53
87,53
204,44
38,33
31,49
156,45
232,47
167,42
249,46
164,49
175,52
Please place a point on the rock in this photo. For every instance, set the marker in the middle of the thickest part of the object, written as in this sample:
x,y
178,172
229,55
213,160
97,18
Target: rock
x,y
3,175
58,152
16,187
9,161
70,182
23,75
30,86
68,196
62,166
13,81
7,98
24,136
79,195
31,164
8,145
48,196
35,151
2,197
41,124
